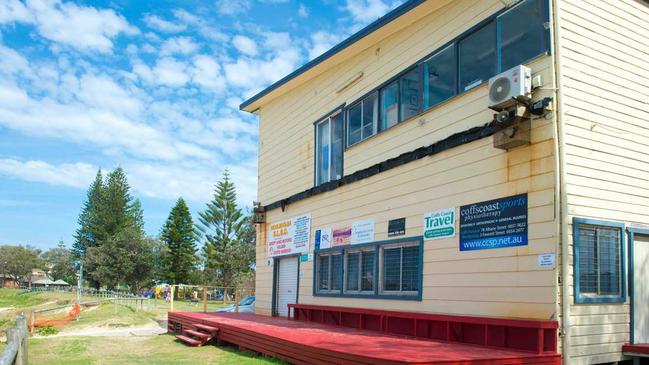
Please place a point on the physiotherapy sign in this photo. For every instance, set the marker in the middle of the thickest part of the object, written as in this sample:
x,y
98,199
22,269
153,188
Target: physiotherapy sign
x,y
439,224
289,236
494,224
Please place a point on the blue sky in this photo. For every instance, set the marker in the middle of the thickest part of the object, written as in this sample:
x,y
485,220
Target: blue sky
x,y
152,86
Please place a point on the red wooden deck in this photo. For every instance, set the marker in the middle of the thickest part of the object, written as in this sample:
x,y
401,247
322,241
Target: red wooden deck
x,y
637,349
301,342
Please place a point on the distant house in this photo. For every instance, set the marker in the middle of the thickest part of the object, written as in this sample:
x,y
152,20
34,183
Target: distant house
x,y
9,282
386,182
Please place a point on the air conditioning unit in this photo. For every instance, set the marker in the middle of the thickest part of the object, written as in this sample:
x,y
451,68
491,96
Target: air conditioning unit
x,y
510,87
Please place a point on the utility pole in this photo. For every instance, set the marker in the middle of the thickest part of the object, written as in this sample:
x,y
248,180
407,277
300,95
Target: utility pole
x,y
80,282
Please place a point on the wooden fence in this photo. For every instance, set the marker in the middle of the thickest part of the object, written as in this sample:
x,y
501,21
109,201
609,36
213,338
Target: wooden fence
x,y
15,352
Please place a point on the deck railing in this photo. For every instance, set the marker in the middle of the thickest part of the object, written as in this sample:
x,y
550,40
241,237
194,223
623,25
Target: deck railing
x,y
15,353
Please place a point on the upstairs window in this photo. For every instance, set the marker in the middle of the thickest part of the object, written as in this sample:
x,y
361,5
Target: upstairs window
x,y
523,33
439,77
362,119
478,61
400,100
329,149
599,259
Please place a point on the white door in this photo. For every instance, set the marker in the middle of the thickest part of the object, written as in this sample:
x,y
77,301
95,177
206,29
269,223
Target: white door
x,y
640,288
287,285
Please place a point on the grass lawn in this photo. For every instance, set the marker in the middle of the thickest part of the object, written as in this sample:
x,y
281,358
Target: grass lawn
x,y
10,298
159,350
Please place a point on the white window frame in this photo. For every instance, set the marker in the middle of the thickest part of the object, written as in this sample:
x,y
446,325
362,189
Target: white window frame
x,y
330,172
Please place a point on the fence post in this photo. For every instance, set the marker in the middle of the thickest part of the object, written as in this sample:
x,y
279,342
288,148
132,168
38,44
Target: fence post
x,y
32,319
225,295
237,297
171,307
20,337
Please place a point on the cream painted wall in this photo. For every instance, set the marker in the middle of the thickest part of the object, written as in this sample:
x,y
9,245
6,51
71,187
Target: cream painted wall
x,y
605,73
500,282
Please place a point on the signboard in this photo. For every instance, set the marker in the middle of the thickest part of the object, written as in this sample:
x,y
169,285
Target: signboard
x,y
362,231
547,260
342,236
323,237
439,224
397,227
494,224
289,236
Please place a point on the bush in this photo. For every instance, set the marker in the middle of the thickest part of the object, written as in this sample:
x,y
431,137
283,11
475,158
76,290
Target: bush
x,y
47,330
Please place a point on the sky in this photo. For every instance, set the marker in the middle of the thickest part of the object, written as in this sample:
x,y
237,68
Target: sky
x,y
151,86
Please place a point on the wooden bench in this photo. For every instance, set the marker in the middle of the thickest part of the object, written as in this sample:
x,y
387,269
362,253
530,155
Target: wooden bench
x,y
538,336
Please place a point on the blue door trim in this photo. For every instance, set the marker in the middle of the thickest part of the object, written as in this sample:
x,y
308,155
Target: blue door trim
x,y
632,231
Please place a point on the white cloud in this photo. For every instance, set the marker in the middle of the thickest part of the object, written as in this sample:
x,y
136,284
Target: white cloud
x,y
179,45
77,175
322,41
167,71
81,27
245,45
13,11
155,22
207,73
302,11
366,11
232,7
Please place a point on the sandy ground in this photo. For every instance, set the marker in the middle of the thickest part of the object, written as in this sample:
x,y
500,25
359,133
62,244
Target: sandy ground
x,y
150,329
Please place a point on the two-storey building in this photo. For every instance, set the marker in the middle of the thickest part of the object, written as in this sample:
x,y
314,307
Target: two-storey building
x,y
387,183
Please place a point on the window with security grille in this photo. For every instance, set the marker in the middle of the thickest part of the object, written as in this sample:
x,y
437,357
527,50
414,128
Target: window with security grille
x,y
329,273
400,268
382,269
598,262
359,270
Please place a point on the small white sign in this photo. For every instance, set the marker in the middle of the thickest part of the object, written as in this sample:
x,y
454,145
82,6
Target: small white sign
x,y
310,257
439,224
363,231
323,238
547,260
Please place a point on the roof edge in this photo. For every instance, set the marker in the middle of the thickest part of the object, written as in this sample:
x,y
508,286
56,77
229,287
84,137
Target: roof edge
x,y
377,24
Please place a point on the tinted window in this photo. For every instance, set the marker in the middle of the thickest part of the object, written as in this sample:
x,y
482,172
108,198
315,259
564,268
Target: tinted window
x,y
523,33
478,57
354,124
600,261
353,262
439,77
337,146
323,272
390,105
367,275
323,152
336,272
361,119
392,269
409,95
410,271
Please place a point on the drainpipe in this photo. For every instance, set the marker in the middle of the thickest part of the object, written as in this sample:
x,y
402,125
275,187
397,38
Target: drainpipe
x,y
561,195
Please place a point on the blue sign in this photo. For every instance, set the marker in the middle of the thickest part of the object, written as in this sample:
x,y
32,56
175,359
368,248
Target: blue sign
x,y
494,224
318,238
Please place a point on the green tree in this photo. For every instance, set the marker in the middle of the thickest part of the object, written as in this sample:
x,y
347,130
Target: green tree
x,y
124,258
224,228
180,240
60,262
116,221
18,262
90,230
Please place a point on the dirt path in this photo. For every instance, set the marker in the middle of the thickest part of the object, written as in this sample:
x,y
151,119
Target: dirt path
x,y
151,329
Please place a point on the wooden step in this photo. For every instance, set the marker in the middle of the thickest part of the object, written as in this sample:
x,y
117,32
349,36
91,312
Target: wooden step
x,y
206,328
189,340
202,335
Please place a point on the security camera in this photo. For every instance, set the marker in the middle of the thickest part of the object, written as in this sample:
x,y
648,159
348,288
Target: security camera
x,y
502,116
